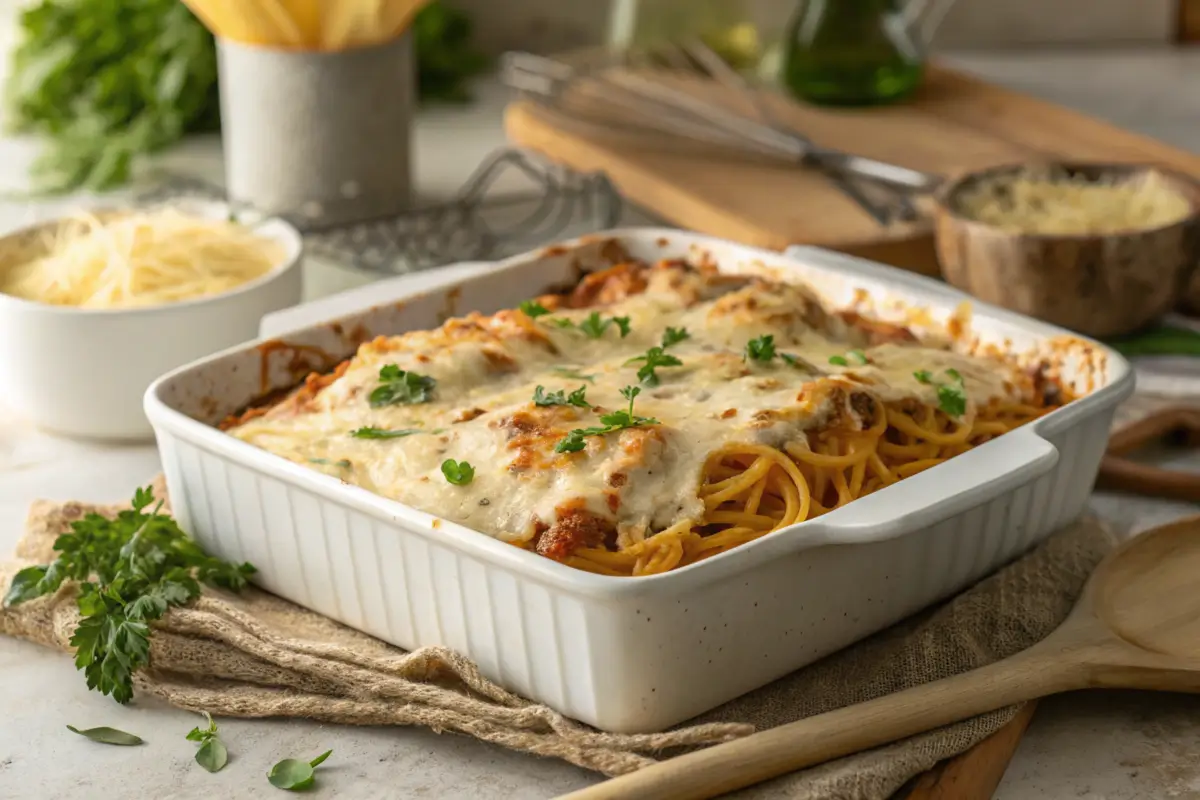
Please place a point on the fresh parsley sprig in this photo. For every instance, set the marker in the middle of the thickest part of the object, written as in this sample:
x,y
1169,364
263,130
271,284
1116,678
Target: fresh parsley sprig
x,y
460,473
673,336
613,421
654,358
952,395
761,348
576,398
212,754
657,357
130,569
533,309
594,326
398,387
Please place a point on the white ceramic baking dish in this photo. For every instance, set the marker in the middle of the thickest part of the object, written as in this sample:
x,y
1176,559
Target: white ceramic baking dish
x,y
626,654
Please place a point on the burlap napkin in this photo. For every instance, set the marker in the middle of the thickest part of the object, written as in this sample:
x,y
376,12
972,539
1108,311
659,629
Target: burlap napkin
x,y
254,655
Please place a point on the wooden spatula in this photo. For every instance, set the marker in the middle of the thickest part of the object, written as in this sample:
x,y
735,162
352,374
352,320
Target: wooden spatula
x,y
1137,626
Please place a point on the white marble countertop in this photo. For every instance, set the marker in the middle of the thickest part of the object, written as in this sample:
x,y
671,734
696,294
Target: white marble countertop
x,y
1102,746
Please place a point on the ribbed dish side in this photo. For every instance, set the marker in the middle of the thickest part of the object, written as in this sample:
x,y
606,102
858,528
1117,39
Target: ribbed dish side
x,y
627,665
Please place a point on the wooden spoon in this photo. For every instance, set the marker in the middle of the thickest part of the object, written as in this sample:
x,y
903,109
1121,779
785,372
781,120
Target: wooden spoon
x,y
1137,626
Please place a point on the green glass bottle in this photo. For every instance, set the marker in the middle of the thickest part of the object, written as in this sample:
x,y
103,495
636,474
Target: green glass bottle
x,y
852,52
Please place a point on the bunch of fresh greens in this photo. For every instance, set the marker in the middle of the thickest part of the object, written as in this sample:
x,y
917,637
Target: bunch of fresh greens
x,y
1164,340
107,81
130,570
446,55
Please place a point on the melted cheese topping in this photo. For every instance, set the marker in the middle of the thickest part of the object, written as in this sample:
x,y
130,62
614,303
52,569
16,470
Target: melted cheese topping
x,y
640,479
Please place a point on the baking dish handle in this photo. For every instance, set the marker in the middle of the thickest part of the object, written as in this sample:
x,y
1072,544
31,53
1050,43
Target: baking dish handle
x,y
972,479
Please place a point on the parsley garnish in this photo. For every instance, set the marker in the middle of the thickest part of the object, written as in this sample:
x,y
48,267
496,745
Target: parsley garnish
x,y
593,325
130,570
460,473
343,463
533,309
575,375
397,387
952,396
654,358
212,754
852,357
760,349
559,398
613,421
796,361
384,433
673,336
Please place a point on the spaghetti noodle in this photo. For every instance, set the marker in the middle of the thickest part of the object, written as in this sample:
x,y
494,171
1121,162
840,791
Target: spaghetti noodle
x,y
651,418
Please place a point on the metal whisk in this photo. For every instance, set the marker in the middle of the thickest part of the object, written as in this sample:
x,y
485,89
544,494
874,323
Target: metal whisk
x,y
664,95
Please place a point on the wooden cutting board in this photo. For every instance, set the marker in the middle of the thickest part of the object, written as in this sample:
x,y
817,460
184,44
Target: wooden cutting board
x,y
955,123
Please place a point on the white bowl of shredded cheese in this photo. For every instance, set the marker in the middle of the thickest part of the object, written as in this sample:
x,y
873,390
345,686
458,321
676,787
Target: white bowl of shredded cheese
x,y
94,307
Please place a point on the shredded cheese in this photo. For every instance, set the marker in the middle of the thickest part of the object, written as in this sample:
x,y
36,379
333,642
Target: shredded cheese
x,y
141,259
1052,203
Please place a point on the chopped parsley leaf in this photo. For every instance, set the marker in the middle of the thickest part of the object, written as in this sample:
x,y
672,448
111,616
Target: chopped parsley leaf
x,y
952,396
760,349
673,336
533,309
576,398
839,361
654,358
384,433
397,387
460,473
593,325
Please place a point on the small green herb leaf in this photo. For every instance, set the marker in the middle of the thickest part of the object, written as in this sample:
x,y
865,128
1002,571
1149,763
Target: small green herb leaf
x,y
593,325
25,586
923,376
576,398
857,356
293,774
760,349
839,361
341,463
952,397
533,309
673,336
108,736
397,387
654,358
212,755
575,375
384,433
460,473
797,362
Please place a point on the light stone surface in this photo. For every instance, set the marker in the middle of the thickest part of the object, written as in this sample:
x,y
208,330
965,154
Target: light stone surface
x,y
1099,746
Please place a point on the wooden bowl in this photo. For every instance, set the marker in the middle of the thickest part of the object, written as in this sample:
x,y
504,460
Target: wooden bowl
x,y
1097,284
